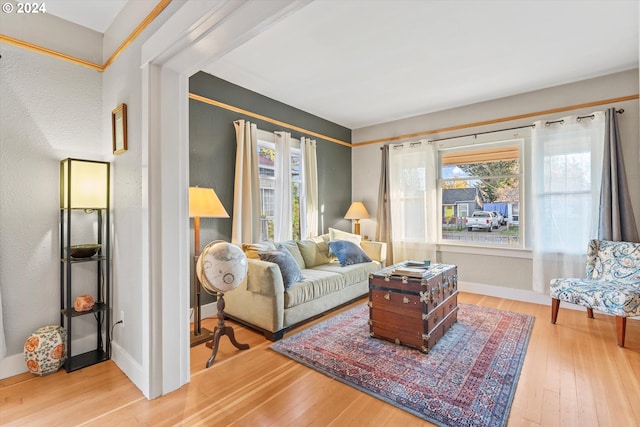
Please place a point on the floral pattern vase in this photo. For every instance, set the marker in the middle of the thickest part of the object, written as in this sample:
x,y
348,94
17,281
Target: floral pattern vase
x,y
45,350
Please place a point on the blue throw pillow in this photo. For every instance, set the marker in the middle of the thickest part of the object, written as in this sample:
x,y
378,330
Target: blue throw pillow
x,y
289,269
348,253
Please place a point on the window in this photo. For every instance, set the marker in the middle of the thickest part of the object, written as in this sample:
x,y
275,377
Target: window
x,y
267,153
296,191
481,178
566,197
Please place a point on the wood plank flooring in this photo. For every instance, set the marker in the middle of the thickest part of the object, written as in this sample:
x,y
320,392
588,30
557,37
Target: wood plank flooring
x,y
574,374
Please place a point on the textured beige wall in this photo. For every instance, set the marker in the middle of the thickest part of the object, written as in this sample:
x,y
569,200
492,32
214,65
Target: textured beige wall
x,y
50,110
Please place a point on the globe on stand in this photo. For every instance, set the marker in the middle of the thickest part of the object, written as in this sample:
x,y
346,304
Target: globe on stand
x,y
221,267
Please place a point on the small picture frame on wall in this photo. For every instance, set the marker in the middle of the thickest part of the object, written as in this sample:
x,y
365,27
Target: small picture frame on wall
x,y
119,128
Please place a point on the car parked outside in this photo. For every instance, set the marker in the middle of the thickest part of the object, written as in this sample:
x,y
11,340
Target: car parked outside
x,y
501,219
482,220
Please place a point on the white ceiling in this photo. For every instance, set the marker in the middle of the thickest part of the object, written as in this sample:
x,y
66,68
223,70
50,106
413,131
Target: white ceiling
x,y
364,62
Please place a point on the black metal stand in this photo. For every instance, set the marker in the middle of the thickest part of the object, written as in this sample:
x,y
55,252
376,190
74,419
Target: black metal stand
x,y
199,334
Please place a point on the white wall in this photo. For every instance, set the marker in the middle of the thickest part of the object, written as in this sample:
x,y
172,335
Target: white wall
x,y
53,109
122,83
50,110
507,270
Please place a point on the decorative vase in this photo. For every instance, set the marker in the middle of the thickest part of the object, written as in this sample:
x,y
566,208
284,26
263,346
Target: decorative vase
x,y
45,350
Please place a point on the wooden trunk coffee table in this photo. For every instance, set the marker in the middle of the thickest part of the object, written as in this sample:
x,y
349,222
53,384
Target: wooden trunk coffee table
x,y
413,311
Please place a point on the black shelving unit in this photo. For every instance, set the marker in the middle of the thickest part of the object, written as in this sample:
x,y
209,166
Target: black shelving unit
x,y
73,204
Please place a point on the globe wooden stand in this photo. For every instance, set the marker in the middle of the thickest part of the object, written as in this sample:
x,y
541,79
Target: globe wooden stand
x,y
220,330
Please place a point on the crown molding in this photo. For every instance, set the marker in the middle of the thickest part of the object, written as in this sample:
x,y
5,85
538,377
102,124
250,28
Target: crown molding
x,y
59,55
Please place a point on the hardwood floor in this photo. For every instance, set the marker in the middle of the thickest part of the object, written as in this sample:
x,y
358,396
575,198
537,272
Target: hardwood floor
x,y
574,374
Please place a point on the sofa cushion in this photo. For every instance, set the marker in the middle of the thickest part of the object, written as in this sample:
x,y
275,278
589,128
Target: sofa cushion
x,y
252,250
348,253
314,253
326,279
343,235
321,238
352,273
292,247
316,283
289,269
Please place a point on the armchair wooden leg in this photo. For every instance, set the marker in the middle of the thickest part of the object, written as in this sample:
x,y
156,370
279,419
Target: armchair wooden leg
x,y
555,305
621,329
590,313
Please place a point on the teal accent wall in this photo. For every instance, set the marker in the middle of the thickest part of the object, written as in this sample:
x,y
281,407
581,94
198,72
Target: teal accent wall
x,y
212,151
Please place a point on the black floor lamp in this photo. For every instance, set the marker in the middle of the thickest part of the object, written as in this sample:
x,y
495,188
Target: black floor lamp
x,y
203,203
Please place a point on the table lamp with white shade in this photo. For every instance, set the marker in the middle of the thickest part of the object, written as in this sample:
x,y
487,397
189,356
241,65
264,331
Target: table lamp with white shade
x,y
357,211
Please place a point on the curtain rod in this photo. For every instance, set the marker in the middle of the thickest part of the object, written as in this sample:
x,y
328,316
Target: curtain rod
x,y
482,133
499,120
590,116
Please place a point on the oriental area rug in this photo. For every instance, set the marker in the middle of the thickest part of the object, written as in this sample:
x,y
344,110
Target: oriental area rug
x,y
467,379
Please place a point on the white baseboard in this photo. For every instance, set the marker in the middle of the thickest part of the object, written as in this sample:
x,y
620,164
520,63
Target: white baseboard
x,y
517,295
130,367
210,310
506,293
12,365
207,310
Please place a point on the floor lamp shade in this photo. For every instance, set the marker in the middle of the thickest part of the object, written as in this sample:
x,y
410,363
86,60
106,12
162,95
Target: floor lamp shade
x,y
204,203
85,184
357,211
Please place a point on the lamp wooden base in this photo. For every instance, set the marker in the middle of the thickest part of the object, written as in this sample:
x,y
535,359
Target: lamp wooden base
x,y
220,330
204,336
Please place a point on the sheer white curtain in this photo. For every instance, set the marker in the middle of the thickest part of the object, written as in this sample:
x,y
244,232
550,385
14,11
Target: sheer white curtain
x,y
246,193
309,209
412,187
567,170
282,228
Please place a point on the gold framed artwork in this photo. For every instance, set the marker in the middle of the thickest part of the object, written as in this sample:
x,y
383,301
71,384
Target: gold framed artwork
x,y
119,128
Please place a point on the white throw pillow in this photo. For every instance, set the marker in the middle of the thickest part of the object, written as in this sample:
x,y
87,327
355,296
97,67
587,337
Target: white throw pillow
x,y
343,235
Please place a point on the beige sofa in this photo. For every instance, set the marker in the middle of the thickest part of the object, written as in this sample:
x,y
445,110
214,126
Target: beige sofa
x,y
263,303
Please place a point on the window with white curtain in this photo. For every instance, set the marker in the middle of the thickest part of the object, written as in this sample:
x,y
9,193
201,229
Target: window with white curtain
x,y
567,164
567,170
267,153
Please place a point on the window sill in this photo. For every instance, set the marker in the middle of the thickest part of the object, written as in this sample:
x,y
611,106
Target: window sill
x,y
501,251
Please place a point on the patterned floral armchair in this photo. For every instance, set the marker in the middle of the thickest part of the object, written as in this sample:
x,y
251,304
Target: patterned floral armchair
x,y
611,285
